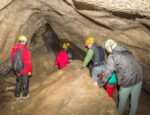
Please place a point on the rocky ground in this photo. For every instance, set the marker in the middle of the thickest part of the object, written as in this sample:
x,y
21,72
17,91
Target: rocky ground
x,y
64,92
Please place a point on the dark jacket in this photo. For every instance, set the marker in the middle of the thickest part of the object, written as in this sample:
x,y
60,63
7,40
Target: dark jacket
x,y
96,59
128,70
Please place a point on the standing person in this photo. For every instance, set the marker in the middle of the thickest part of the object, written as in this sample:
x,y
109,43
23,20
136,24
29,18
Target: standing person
x,y
62,59
129,74
21,63
95,54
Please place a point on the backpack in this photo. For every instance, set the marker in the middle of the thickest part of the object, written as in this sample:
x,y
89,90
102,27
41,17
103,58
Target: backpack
x,y
70,56
70,53
102,53
113,79
17,63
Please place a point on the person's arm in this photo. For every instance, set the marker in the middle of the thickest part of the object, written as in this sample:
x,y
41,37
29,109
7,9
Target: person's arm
x,y
56,60
12,54
88,57
107,71
27,61
109,68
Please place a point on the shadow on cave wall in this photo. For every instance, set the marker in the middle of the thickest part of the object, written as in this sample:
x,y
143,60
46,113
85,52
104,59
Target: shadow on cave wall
x,y
54,44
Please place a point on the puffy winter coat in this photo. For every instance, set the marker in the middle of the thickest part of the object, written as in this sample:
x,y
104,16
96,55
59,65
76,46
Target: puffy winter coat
x,y
25,58
62,59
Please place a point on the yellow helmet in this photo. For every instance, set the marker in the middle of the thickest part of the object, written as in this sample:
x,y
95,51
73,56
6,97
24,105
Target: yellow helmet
x,y
89,41
22,38
65,45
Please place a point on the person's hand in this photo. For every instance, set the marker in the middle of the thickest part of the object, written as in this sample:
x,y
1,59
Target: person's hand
x,y
100,75
56,66
29,73
95,84
100,83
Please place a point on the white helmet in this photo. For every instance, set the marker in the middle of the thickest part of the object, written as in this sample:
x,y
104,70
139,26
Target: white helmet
x,y
22,38
110,44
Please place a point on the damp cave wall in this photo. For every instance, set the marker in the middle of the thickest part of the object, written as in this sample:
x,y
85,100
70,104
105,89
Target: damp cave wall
x,y
127,22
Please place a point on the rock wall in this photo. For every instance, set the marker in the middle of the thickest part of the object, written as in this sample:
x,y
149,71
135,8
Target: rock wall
x,y
128,22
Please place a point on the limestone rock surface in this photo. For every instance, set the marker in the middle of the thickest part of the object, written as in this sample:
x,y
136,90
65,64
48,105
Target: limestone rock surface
x,y
127,21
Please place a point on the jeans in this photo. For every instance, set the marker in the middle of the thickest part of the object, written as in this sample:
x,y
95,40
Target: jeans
x,y
124,94
95,71
22,85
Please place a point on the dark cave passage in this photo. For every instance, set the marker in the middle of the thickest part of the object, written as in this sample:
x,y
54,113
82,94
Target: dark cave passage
x,y
53,44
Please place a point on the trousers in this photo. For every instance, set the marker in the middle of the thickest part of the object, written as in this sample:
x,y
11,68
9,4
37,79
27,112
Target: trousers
x,y
22,85
123,96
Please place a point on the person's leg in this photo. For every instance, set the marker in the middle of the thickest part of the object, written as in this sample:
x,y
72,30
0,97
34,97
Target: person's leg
x,y
25,85
110,89
96,71
135,94
123,96
18,85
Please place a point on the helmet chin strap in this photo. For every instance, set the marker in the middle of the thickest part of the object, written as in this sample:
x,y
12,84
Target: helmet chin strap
x,y
111,49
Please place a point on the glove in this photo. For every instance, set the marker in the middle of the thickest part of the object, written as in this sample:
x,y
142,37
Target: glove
x,y
100,75
100,83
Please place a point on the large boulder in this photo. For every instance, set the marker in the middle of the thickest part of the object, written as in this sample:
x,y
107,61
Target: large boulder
x,y
70,91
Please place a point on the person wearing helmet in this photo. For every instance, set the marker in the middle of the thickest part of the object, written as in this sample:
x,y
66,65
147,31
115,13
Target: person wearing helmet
x,y
129,74
22,76
62,59
69,51
95,54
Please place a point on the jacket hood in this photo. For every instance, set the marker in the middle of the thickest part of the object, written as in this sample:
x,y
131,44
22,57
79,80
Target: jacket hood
x,y
120,48
20,46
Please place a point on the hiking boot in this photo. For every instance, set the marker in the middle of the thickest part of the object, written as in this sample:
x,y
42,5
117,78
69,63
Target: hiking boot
x,y
26,97
19,98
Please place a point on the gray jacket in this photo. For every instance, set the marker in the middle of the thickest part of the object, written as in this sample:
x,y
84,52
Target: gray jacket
x,y
128,70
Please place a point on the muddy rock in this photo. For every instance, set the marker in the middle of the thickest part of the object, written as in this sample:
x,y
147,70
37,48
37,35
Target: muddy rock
x,y
70,91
